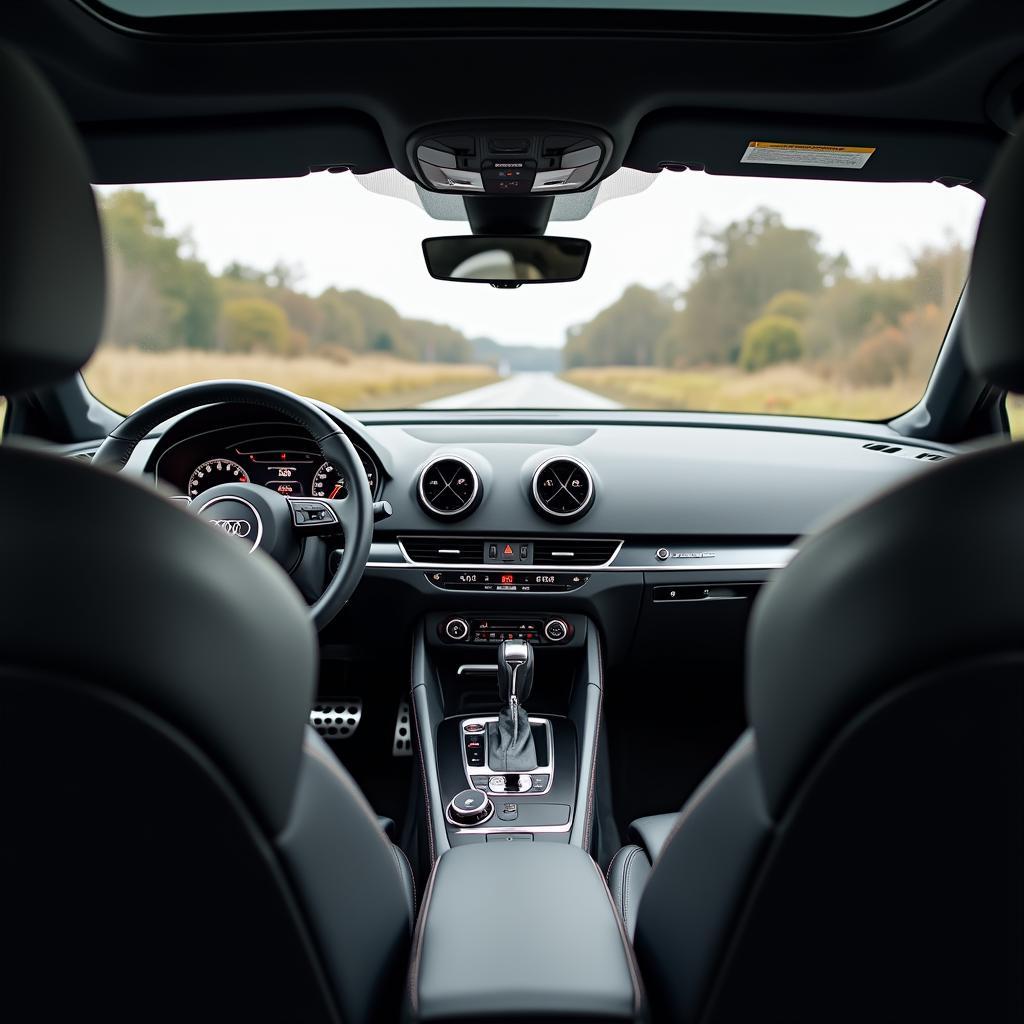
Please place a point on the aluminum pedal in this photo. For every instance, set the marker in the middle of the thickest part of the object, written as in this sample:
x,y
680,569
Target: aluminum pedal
x,y
337,719
402,745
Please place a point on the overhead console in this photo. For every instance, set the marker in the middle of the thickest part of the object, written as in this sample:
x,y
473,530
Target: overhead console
x,y
511,159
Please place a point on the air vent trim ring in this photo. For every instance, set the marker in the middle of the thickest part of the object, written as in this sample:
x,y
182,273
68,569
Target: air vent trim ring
x,y
462,510
550,513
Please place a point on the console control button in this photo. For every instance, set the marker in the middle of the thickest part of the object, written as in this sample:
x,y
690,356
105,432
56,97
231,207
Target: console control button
x,y
510,837
508,811
538,783
468,808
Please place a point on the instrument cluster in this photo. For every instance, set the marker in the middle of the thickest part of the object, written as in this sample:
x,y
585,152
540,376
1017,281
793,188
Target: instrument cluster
x,y
292,465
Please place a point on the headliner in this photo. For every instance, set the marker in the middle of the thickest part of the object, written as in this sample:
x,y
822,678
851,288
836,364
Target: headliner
x,y
247,96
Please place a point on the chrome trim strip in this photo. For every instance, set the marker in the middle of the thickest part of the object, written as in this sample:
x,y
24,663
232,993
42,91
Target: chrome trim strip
x,y
477,670
513,566
486,768
723,567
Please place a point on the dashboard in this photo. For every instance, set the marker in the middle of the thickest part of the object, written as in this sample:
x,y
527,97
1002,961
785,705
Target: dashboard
x,y
654,527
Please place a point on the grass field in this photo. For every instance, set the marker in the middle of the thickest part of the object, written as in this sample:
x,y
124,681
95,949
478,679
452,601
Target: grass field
x,y
780,390
125,378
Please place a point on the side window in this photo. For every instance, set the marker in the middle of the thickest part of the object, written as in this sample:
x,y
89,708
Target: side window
x,y
1015,414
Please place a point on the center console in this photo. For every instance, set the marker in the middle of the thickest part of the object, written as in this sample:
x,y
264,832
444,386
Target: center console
x,y
507,711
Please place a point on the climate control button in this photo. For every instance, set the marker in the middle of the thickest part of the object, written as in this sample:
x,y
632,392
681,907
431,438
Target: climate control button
x,y
456,629
556,630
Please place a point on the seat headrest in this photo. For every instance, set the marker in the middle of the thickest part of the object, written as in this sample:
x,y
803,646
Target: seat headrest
x,y
994,343
925,575
52,281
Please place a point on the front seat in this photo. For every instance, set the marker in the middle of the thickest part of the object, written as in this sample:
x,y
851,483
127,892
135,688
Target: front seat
x,y
176,844
858,855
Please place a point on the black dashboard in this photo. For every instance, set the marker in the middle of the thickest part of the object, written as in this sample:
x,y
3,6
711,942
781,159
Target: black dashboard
x,y
640,523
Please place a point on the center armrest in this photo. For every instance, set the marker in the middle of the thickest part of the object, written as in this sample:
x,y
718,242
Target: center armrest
x,y
521,929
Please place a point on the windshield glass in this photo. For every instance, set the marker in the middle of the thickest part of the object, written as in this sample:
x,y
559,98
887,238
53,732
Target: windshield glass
x,y
702,293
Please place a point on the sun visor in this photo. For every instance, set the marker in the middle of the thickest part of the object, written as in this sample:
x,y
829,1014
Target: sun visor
x,y
766,146
212,149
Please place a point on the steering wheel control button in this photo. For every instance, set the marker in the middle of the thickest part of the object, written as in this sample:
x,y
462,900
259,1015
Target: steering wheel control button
x,y
556,630
306,513
236,517
456,629
469,808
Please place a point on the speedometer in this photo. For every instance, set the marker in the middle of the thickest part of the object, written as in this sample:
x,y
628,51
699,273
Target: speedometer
x,y
329,483
216,471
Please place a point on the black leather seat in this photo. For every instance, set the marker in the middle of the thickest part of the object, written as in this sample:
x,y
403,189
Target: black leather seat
x,y
859,853
177,844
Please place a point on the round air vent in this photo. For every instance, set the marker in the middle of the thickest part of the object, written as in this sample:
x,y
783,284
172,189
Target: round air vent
x,y
449,487
563,489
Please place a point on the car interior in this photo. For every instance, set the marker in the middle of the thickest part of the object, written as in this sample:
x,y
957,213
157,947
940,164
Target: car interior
x,y
442,710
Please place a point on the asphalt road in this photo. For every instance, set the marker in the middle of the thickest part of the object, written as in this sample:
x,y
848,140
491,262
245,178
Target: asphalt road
x,y
525,391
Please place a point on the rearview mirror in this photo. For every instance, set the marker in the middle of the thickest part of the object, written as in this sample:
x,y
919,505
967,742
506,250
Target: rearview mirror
x,y
506,261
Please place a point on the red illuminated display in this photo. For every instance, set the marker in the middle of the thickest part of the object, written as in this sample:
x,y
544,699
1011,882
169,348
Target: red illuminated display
x,y
508,579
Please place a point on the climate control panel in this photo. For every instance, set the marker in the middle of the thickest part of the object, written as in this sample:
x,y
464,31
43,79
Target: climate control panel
x,y
477,630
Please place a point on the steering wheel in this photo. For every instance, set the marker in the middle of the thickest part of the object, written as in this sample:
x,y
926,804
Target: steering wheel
x,y
285,528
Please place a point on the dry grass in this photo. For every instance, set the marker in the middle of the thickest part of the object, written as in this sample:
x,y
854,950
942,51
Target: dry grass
x,y
781,390
125,378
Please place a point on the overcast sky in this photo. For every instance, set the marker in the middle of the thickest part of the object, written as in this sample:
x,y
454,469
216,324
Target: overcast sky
x,y
341,234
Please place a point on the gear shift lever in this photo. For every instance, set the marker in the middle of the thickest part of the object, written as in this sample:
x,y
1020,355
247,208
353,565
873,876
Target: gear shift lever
x,y
510,740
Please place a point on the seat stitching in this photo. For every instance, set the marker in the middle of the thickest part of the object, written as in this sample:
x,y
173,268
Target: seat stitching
x,y
421,926
625,880
626,945
423,776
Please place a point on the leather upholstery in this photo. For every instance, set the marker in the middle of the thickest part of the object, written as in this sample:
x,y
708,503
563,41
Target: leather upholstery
x,y
885,593
177,843
551,947
864,835
630,869
652,833
53,281
994,346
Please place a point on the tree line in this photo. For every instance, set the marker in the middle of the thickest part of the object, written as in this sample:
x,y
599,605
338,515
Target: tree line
x,y
164,297
765,293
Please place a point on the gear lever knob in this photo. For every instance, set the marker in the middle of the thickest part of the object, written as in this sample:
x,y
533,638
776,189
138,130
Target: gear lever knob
x,y
515,671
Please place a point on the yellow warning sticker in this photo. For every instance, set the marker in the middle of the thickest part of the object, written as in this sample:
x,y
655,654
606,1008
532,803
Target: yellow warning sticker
x,y
795,154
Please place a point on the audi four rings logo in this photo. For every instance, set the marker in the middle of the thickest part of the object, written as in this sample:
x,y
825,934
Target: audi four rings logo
x,y
233,527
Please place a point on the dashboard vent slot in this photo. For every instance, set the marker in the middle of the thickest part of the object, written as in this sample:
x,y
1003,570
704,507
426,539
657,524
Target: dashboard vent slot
x,y
445,550
889,449
449,487
573,551
930,457
563,489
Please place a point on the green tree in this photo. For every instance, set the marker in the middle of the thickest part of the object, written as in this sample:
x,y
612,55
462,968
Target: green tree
x,y
770,340
796,305
742,267
159,298
626,333
254,325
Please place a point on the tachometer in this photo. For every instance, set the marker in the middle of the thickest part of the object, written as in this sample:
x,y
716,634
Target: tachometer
x,y
213,472
329,483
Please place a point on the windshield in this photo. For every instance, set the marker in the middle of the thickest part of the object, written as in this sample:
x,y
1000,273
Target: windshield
x,y
702,293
